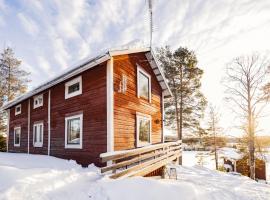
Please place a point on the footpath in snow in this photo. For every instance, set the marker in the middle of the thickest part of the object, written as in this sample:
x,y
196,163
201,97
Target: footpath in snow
x,y
41,177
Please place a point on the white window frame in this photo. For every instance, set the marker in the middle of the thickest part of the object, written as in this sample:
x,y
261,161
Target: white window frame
x,y
72,82
38,144
141,70
39,104
74,146
19,112
140,116
17,128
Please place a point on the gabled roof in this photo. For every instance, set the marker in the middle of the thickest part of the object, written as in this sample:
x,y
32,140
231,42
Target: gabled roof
x,y
89,63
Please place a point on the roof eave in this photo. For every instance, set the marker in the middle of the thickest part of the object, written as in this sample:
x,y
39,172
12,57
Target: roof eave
x,y
162,80
58,79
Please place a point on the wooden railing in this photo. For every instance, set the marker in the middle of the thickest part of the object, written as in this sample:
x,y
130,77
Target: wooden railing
x,y
141,161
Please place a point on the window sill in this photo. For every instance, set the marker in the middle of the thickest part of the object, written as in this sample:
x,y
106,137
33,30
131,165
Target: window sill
x,y
73,95
143,144
75,146
38,145
37,106
144,99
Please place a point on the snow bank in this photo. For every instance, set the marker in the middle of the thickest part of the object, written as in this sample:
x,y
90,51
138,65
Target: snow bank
x,y
29,177
42,177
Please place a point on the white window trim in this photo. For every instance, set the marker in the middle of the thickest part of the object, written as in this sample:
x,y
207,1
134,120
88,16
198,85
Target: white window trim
x,y
141,70
38,105
38,144
74,146
17,113
138,117
15,128
69,83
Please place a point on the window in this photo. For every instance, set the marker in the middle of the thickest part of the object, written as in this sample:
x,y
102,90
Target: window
x,y
18,109
38,135
73,131
17,136
73,87
143,84
38,101
144,129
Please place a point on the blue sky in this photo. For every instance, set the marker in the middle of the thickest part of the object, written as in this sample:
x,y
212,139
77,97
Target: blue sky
x,y
49,36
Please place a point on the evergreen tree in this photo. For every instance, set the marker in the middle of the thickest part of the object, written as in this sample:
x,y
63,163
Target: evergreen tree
x,y
13,81
185,109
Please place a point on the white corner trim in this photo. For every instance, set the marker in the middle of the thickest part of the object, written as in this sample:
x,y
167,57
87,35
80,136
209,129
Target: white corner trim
x,y
49,122
8,126
110,106
18,112
141,70
17,128
74,146
28,126
138,117
72,82
163,118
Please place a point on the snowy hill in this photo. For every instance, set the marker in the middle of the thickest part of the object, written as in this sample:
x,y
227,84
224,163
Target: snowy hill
x,y
41,177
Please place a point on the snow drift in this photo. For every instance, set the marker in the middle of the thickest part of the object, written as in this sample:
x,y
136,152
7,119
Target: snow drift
x,y
42,177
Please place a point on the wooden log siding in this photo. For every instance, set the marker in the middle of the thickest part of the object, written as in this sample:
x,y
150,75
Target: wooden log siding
x,y
141,161
126,105
39,114
92,103
19,120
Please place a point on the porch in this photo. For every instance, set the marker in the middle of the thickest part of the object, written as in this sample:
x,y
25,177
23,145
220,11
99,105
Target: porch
x,y
141,161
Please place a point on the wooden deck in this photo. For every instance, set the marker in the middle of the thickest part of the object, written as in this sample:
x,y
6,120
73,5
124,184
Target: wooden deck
x,y
141,161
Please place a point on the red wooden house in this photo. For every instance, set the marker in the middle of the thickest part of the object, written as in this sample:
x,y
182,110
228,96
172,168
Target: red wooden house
x,y
109,103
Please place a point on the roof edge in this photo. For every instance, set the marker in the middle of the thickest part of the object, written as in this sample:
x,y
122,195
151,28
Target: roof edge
x,y
73,72
85,65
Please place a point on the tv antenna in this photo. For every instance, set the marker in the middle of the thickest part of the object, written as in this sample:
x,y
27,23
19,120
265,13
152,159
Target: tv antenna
x,y
150,21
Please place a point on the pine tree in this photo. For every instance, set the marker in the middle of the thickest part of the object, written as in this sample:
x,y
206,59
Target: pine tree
x,y
185,109
13,81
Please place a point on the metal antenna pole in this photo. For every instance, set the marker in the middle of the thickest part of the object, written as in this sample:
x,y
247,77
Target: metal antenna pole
x,y
150,21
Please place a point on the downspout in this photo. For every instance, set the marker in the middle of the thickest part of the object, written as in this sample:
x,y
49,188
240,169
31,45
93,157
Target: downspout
x,y
49,122
28,131
7,140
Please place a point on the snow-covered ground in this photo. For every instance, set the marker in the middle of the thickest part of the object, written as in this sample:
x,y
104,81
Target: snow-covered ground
x,y
202,158
41,177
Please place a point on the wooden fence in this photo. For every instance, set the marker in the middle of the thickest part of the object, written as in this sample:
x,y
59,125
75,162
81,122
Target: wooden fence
x,y
141,161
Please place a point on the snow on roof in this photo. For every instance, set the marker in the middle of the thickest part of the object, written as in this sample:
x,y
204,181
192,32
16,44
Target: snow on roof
x,y
263,156
88,63
230,153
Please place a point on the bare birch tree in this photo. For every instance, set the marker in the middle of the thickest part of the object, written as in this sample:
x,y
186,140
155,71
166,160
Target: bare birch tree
x,y
245,78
